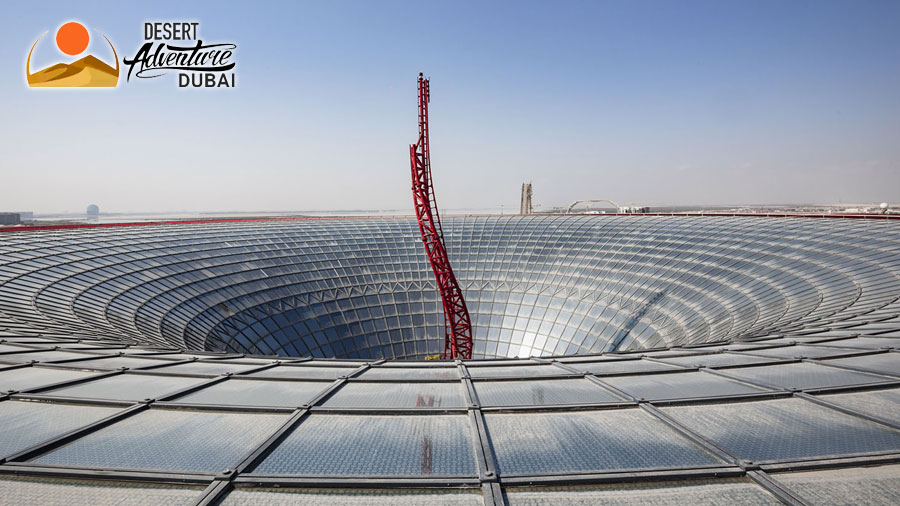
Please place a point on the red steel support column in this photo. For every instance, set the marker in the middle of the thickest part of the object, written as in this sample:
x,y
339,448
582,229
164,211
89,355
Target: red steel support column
x,y
457,324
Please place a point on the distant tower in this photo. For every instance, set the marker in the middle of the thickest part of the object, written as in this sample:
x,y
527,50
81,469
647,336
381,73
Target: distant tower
x,y
93,211
525,206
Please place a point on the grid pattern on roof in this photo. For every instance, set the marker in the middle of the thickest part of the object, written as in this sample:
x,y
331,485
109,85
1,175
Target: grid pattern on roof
x,y
535,285
806,410
488,438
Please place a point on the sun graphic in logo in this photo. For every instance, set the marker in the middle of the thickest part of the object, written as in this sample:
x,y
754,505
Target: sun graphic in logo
x,y
72,39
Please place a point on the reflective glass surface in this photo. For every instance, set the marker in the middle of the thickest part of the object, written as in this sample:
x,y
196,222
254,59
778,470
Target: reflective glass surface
x,y
257,393
406,373
802,375
874,342
5,348
352,497
725,492
883,363
49,491
40,356
541,393
169,440
207,368
24,378
610,367
28,423
534,285
357,445
405,395
304,372
679,386
116,363
802,351
862,485
715,360
585,441
884,404
522,371
597,293
126,387
784,429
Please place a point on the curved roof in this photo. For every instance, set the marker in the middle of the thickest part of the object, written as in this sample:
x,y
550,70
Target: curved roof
x,y
134,366
535,285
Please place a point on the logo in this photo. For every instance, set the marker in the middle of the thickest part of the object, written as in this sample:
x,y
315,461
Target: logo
x,y
73,39
168,47
176,47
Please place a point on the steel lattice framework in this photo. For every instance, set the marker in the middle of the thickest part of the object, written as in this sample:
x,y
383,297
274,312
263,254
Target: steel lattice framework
x,y
457,324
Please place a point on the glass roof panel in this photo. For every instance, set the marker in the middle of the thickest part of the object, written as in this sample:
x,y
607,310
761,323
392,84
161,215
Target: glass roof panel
x,y
404,395
134,387
679,386
784,429
608,367
721,492
804,351
584,441
803,376
884,404
170,440
542,392
406,373
112,363
28,423
715,360
361,445
235,391
41,356
303,372
208,368
20,490
25,378
353,497
861,485
522,371
884,363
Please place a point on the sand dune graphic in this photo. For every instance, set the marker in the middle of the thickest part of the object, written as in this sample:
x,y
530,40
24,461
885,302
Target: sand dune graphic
x,y
87,72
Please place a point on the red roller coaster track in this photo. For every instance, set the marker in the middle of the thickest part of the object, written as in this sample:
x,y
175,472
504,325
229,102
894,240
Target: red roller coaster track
x,y
457,324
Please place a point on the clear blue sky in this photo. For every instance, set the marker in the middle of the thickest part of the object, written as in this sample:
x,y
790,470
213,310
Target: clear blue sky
x,y
657,102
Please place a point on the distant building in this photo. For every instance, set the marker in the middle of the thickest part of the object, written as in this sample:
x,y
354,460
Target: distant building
x,y
633,209
26,216
93,211
9,219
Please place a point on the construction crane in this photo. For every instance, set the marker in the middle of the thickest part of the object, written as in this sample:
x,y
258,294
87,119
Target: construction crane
x,y
457,324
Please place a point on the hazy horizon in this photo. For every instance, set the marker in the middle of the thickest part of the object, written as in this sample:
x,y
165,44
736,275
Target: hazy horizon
x,y
656,103
188,213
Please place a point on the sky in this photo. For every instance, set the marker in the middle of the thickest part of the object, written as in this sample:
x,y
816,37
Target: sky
x,y
645,102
